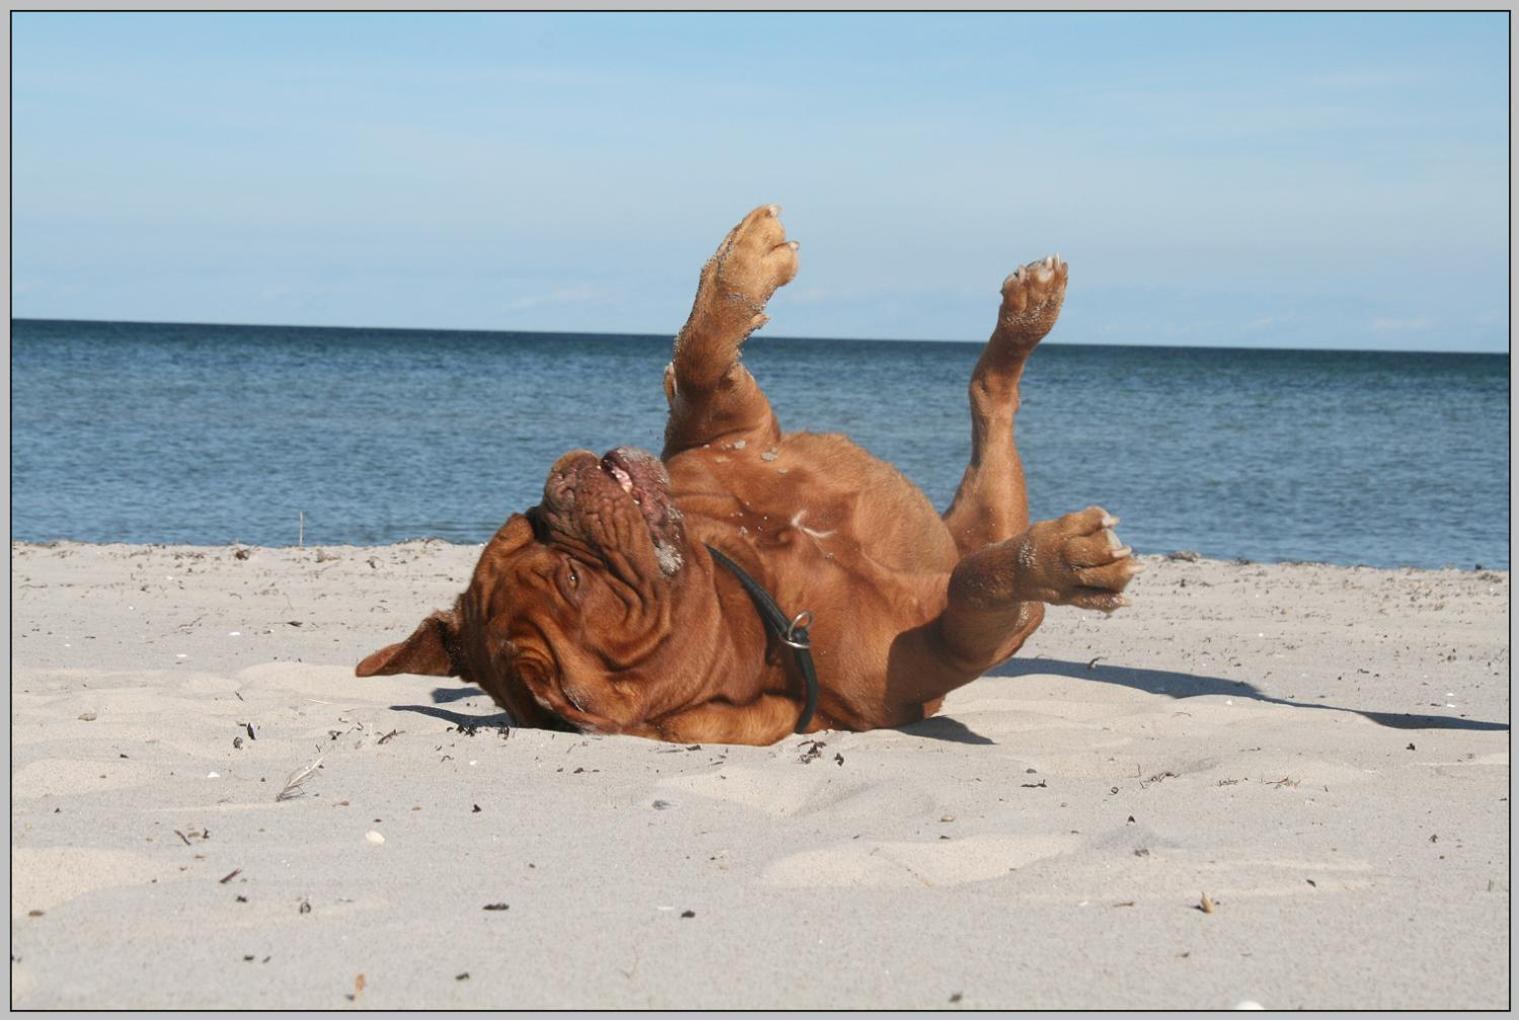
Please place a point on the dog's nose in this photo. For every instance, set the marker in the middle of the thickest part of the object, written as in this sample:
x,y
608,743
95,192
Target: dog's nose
x,y
558,488
567,459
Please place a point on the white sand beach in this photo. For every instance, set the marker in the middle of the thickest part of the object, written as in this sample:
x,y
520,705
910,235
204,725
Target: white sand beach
x,y
1321,751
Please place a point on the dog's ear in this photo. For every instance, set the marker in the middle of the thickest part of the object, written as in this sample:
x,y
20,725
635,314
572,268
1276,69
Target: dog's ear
x,y
429,651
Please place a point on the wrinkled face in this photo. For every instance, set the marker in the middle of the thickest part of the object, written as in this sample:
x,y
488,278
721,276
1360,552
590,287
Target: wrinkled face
x,y
569,602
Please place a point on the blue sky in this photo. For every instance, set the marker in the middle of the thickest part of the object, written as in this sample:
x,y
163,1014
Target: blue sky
x,y
1309,180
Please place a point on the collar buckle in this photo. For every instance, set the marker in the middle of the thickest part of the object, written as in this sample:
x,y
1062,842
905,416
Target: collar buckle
x,y
796,634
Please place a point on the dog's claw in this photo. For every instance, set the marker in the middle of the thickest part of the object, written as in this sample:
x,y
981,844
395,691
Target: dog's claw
x,y
1091,567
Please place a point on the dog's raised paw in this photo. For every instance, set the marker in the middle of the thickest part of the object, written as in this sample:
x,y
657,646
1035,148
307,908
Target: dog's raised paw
x,y
1031,300
754,261
1084,562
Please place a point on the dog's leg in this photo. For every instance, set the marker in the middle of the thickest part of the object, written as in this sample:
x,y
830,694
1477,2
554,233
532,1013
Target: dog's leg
x,y
991,504
711,393
996,598
763,721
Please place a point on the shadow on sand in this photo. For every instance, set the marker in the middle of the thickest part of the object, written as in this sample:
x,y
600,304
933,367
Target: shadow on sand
x,y
944,727
496,719
1192,685
1151,681
444,695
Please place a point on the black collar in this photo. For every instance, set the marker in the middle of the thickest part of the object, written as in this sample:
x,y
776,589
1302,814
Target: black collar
x,y
791,631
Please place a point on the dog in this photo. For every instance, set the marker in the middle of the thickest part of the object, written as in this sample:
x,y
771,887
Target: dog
x,y
750,583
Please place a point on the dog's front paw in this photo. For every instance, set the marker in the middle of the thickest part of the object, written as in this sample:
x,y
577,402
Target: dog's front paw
x,y
754,260
1077,560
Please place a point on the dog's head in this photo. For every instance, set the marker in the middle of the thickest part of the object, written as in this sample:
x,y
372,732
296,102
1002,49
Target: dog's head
x,y
571,603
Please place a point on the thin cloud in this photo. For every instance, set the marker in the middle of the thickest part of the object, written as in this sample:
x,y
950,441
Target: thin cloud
x,y
578,295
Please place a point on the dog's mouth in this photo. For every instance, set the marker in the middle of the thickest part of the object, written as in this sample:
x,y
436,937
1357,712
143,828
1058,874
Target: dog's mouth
x,y
643,477
581,480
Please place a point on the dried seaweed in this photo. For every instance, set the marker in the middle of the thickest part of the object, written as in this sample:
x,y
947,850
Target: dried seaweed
x,y
292,787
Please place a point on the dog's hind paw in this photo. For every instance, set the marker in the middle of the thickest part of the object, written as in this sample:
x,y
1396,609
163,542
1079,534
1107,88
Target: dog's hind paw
x,y
754,261
1031,300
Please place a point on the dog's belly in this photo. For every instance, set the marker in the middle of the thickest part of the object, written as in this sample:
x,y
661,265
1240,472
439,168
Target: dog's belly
x,y
828,528
820,496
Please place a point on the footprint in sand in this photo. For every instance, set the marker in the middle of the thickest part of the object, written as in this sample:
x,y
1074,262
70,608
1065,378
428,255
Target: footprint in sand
x,y
860,863
1499,758
66,777
798,791
1175,875
331,683
44,877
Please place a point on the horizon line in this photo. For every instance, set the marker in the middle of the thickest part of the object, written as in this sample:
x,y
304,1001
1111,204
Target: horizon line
x,y
660,336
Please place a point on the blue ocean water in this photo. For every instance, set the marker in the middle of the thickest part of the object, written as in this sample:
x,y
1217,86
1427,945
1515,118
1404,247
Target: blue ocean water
x,y
137,432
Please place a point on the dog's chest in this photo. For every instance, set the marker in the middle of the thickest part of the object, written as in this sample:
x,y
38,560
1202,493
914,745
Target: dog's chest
x,y
817,500
807,519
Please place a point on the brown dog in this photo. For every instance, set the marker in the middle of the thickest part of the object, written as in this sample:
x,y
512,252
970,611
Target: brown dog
x,y
604,608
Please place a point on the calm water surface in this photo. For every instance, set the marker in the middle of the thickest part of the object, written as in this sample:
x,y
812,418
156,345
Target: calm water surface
x,y
214,434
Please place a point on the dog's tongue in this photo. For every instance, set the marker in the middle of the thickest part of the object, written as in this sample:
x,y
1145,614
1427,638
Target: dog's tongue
x,y
619,465
635,470
623,478
642,476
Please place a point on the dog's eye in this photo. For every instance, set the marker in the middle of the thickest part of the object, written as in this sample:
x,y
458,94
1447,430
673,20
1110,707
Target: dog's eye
x,y
568,581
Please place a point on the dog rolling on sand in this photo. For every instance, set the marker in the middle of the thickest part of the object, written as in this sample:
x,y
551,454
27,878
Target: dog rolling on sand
x,y
750,583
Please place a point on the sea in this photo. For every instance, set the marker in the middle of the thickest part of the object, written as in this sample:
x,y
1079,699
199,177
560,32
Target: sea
x,y
271,435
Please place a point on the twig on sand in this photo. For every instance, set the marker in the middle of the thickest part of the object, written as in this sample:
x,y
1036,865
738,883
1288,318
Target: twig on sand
x,y
293,784
811,750
1158,777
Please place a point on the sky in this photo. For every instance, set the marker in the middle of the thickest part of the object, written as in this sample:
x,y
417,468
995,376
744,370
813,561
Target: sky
x,y
1260,180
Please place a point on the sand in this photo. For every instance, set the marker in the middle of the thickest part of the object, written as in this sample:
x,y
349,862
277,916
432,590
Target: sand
x,y
1322,751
